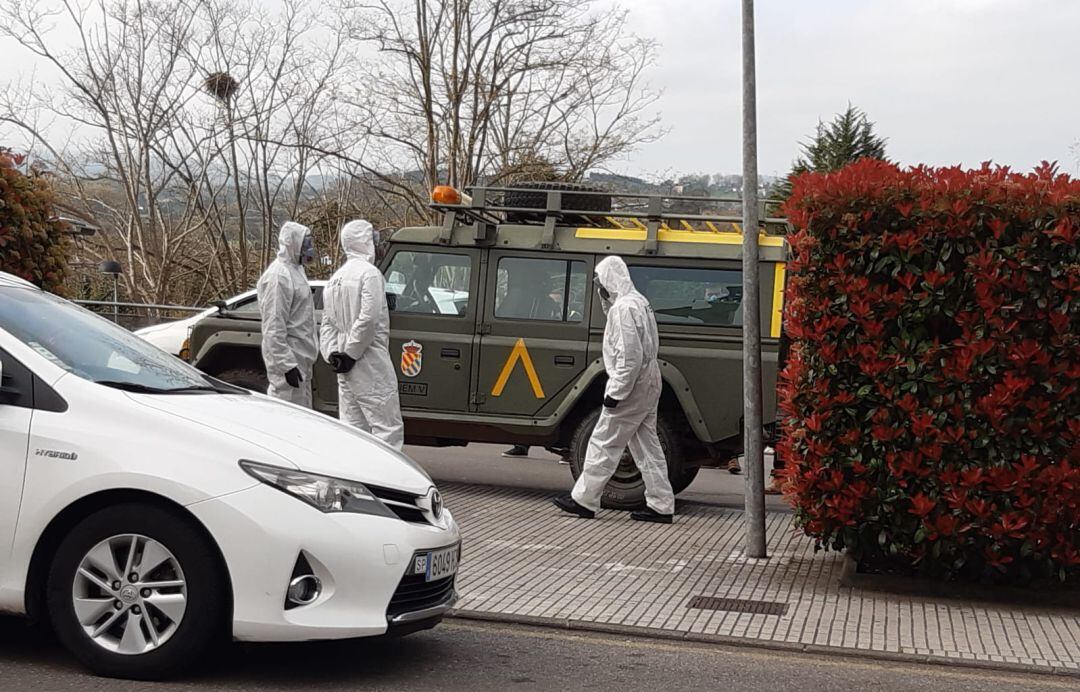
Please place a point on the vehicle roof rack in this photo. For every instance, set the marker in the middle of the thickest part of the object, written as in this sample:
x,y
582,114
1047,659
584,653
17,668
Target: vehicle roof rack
x,y
487,207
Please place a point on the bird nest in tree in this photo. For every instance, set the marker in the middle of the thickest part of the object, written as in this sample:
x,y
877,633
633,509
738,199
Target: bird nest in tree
x,y
221,85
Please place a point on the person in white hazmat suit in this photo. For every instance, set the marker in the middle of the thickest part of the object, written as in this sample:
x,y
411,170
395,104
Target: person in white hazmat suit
x,y
631,397
355,339
289,343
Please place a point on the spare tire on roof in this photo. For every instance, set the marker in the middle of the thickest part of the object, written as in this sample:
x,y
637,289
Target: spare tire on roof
x,y
533,195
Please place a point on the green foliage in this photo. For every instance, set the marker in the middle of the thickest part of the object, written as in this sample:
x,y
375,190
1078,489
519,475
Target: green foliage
x,y
848,138
33,244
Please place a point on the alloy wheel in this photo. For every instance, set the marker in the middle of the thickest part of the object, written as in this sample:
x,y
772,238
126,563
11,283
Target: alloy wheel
x,y
129,594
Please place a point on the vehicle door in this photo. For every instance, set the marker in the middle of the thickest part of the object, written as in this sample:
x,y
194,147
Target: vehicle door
x,y
535,334
432,293
699,313
16,410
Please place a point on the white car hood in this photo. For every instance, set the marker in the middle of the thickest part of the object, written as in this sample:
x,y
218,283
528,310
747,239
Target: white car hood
x,y
290,434
173,325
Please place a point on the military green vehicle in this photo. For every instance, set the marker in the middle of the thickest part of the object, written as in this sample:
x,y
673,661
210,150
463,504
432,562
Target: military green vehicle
x,y
496,327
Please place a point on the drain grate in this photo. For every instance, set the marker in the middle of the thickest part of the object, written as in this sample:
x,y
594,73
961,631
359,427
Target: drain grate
x,y
738,605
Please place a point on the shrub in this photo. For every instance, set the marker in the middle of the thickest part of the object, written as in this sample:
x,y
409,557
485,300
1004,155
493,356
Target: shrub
x,y
32,241
930,405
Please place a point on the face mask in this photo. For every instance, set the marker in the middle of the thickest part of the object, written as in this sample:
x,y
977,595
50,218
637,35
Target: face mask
x,y
307,250
604,295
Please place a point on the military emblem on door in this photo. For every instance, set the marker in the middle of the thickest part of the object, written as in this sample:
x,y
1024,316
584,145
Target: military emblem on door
x,y
412,358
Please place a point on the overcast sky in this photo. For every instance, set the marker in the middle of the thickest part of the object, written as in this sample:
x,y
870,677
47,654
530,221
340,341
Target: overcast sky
x,y
947,81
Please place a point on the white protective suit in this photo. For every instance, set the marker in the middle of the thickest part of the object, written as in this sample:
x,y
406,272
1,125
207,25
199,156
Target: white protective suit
x,y
288,318
356,322
630,347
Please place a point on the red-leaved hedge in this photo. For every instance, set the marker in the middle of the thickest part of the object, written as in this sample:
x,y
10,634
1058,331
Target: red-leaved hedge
x,y
931,401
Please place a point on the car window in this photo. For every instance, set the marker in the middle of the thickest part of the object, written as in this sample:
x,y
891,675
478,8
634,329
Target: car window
x,y
246,306
540,289
89,346
16,383
681,295
429,283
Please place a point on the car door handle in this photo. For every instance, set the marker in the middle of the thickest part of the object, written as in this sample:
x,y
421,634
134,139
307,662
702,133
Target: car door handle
x,y
564,361
450,353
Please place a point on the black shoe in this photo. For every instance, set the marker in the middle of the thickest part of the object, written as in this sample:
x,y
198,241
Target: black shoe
x,y
567,504
649,514
516,451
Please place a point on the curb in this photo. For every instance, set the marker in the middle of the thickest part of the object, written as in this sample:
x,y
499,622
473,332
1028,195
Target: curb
x,y
743,642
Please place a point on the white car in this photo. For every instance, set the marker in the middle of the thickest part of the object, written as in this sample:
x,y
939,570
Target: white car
x,y
147,510
170,336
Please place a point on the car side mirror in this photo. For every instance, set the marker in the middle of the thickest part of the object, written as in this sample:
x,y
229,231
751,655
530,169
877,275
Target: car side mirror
x,y
220,305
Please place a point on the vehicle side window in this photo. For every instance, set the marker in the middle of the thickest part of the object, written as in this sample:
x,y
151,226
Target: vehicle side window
x,y
681,295
429,283
250,305
540,289
247,306
16,383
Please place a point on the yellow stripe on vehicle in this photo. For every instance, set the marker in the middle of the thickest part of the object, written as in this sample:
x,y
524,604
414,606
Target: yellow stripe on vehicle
x,y
665,235
519,353
779,271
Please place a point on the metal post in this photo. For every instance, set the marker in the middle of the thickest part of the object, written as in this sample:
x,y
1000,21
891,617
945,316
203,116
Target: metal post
x,y
752,438
116,298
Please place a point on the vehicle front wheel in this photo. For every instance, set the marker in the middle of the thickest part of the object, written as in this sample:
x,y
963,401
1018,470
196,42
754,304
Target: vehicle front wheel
x,y
135,591
626,489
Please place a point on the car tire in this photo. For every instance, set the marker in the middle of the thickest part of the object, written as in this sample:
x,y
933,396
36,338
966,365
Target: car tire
x,y
188,619
522,196
248,378
626,489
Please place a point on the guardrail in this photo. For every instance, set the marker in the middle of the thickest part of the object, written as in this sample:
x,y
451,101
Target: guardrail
x,y
138,315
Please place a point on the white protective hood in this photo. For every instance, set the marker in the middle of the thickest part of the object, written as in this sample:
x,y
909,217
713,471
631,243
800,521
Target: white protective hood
x,y
358,240
291,240
615,277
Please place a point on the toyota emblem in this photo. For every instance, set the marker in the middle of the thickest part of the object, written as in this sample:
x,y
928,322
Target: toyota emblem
x,y
436,503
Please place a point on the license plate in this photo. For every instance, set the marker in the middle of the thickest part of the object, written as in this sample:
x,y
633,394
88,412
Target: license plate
x,y
438,564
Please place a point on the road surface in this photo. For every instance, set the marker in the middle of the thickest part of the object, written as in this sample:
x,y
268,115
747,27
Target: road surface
x,y
464,655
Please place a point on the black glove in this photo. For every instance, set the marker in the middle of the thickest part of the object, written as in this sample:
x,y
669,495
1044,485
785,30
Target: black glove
x,y
294,378
610,403
341,362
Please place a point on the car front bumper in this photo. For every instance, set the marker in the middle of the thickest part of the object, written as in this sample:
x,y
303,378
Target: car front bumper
x,y
361,561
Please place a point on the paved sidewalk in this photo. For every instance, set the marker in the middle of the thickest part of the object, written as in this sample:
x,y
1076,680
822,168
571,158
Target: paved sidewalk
x,y
525,561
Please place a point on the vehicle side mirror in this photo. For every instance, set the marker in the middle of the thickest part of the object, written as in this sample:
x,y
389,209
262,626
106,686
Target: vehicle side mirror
x,y
220,305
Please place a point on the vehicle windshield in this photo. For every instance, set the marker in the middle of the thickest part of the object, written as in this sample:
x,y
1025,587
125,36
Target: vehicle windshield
x,y
92,347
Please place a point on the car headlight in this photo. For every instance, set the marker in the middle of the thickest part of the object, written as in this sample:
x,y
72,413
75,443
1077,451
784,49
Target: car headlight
x,y
324,493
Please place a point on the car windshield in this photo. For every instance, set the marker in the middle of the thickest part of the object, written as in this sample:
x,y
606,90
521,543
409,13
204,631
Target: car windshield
x,y
92,347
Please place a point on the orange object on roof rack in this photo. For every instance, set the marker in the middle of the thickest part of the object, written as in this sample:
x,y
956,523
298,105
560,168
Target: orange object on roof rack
x,y
444,194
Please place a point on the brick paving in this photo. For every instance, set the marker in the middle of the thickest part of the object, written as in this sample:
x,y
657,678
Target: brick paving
x,y
525,560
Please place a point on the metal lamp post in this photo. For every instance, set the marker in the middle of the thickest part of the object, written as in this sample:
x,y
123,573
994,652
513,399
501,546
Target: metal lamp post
x,y
113,267
752,416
